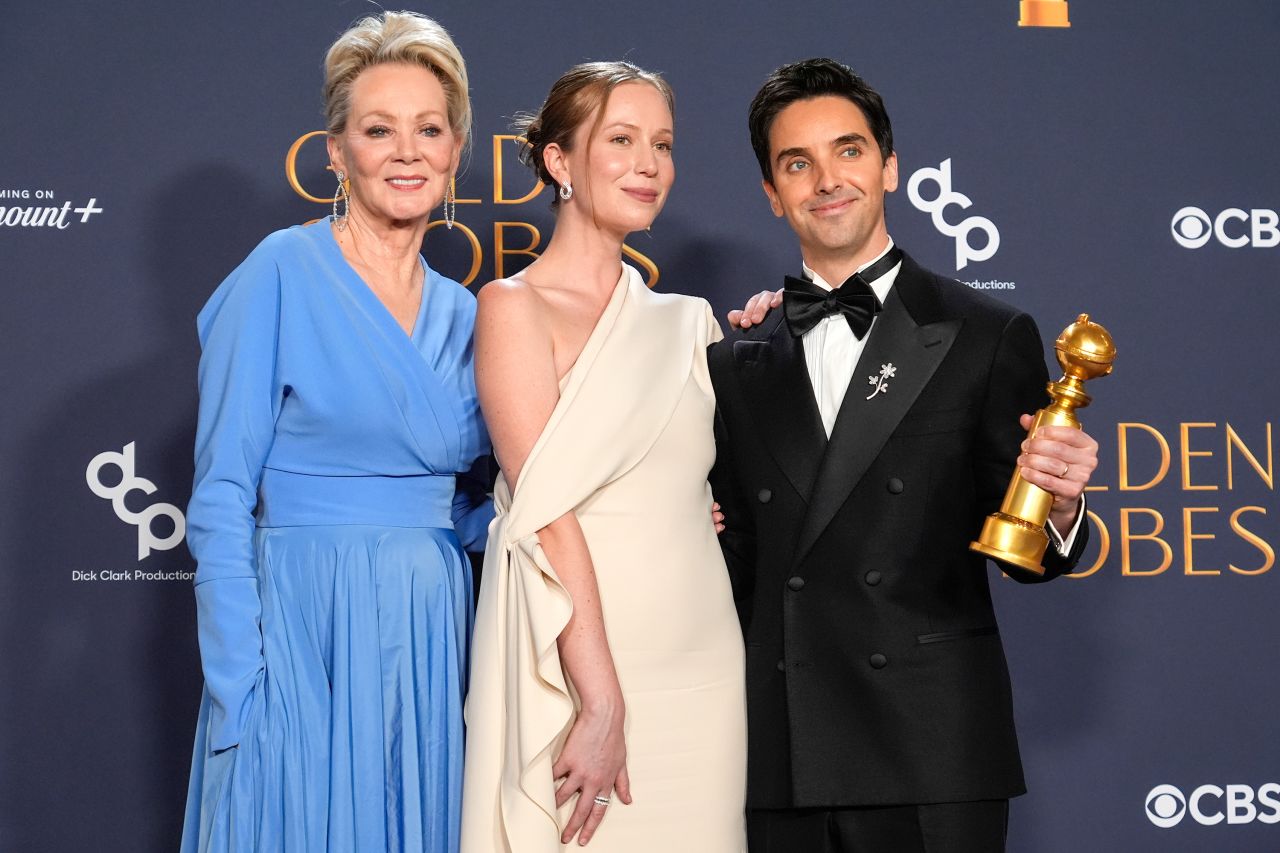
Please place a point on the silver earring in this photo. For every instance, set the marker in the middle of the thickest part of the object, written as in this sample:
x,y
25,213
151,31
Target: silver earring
x,y
341,220
566,191
450,206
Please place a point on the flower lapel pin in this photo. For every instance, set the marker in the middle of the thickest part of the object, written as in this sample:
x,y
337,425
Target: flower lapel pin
x,y
881,380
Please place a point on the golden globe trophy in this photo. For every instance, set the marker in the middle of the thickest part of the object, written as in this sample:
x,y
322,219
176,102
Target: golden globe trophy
x,y
1016,534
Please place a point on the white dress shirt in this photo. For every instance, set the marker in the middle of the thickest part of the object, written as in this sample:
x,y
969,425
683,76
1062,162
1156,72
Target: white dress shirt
x,y
831,352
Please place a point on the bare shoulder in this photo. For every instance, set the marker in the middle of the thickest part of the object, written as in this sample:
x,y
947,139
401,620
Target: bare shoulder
x,y
508,301
507,294
512,323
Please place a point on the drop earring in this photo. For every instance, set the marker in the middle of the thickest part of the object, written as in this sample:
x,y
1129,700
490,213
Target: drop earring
x,y
566,191
450,205
341,220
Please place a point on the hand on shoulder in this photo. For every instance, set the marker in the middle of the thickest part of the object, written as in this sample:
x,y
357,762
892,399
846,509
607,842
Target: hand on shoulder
x,y
756,309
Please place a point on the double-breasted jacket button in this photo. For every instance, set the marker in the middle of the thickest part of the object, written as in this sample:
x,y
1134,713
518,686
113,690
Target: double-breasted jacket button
x,y
879,661
764,495
795,584
782,666
872,577
894,486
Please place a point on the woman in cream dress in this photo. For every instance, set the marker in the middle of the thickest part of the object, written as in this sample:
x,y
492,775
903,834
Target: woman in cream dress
x,y
607,698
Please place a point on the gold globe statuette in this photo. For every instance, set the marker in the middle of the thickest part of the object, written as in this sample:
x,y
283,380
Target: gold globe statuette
x,y
1016,534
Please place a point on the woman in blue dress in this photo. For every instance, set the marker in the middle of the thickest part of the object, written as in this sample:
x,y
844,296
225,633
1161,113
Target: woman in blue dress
x,y
338,423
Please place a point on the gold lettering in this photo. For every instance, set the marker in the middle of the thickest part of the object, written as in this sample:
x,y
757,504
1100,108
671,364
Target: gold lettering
x,y
453,183
1268,553
1234,439
291,168
1187,453
1122,439
1104,546
498,196
1188,535
500,250
476,252
1127,536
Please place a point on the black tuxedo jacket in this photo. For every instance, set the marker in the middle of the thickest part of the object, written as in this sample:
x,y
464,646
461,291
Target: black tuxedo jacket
x,y
875,671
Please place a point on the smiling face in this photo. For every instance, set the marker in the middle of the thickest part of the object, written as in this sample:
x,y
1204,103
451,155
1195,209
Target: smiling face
x,y
397,149
621,168
829,180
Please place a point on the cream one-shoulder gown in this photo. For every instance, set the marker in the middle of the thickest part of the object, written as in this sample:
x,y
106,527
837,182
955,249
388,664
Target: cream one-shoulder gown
x,y
628,449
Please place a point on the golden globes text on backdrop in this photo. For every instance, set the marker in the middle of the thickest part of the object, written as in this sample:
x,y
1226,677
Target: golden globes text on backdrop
x,y
1222,533
507,234
1016,535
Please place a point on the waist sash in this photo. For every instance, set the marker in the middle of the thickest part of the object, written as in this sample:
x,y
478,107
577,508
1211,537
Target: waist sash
x,y
286,499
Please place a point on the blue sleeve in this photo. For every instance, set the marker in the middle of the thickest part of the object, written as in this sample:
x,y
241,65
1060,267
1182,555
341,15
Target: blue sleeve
x,y
473,504
238,330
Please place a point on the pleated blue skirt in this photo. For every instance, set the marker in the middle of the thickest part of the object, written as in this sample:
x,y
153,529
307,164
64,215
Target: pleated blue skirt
x,y
354,741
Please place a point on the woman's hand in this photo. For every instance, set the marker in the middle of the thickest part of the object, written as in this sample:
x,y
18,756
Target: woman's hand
x,y
592,764
717,517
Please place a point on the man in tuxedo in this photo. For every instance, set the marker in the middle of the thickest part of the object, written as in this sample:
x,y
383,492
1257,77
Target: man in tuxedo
x,y
863,433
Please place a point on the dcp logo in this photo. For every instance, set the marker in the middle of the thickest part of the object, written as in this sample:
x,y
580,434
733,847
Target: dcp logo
x,y
1210,805
947,197
1234,228
130,482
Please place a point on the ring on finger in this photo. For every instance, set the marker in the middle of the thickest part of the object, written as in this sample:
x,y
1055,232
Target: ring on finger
x,y
1066,466
601,800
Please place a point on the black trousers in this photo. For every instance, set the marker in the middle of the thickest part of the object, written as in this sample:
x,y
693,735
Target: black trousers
x,y
977,827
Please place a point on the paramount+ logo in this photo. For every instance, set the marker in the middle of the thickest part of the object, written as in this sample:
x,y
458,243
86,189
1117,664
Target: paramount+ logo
x,y
1210,805
1235,228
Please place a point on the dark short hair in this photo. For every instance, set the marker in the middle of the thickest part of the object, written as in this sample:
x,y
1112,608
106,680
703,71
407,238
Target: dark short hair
x,y
814,78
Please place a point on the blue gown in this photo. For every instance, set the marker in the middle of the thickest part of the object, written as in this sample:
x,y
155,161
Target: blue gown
x,y
333,594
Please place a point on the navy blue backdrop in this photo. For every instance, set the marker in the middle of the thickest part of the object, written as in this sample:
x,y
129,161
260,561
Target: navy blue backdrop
x,y
1123,166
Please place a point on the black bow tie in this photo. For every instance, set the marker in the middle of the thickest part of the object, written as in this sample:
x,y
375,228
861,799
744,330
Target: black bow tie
x,y
805,304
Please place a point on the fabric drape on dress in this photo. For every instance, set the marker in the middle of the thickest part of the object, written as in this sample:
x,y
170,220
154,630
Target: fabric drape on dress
x,y
615,403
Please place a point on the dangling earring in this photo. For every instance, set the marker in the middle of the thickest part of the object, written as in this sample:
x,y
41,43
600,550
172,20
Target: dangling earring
x,y
566,191
450,205
341,221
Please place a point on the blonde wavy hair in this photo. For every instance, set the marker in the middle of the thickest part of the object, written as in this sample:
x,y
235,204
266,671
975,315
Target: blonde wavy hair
x,y
396,37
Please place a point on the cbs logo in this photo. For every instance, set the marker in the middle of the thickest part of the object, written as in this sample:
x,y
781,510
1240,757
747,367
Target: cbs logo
x,y
947,197
130,482
1192,228
1210,805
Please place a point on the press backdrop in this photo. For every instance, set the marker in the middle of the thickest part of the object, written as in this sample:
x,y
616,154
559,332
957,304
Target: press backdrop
x,y
1123,166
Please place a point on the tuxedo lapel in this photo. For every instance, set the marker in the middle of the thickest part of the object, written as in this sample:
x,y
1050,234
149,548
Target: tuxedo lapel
x,y
775,383
913,350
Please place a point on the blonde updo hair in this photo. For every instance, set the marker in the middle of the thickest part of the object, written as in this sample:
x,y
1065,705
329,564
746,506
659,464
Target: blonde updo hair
x,y
577,97
396,37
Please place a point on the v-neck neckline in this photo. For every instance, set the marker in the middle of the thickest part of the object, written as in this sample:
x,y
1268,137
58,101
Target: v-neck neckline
x,y
572,381
409,334
623,281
